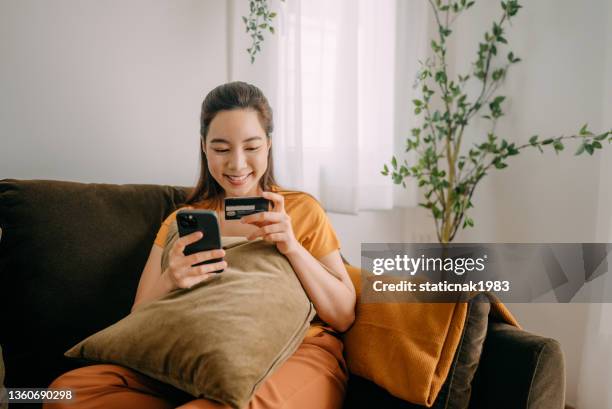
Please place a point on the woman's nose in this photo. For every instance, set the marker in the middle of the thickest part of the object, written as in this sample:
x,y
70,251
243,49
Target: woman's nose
x,y
237,160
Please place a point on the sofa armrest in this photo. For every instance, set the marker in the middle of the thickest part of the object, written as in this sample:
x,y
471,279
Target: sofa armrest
x,y
519,370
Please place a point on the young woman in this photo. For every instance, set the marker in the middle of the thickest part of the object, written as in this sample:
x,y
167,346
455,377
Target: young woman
x,y
236,160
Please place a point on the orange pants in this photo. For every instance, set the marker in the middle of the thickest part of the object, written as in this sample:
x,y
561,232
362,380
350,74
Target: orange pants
x,y
314,376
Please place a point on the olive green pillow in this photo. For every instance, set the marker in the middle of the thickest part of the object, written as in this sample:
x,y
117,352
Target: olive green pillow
x,y
221,338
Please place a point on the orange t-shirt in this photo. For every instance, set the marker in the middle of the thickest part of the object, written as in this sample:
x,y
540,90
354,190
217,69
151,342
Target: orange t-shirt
x,y
310,225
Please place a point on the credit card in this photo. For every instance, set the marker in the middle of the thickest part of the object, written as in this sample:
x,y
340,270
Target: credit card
x,y
238,207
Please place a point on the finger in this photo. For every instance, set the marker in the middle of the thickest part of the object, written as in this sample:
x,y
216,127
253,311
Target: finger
x,y
203,256
277,200
191,281
182,242
206,268
263,218
257,233
271,228
275,237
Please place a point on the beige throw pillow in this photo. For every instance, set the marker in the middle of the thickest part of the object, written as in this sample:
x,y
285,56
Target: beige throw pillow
x,y
221,338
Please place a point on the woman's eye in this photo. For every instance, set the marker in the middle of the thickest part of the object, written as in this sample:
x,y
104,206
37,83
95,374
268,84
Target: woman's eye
x,y
252,149
221,150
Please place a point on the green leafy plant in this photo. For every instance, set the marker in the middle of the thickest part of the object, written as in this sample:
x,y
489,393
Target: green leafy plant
x,y
448,174
258,22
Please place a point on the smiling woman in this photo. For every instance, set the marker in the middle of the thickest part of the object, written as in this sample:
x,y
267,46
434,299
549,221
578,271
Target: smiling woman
x,y
236,160
237,151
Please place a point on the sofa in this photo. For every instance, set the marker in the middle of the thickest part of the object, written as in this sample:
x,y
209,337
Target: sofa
x,y
71,255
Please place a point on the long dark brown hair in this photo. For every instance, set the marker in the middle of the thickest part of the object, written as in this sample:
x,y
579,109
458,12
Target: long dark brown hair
x,y
233,95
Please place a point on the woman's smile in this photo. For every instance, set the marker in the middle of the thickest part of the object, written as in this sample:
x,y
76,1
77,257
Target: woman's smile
x,y
238,180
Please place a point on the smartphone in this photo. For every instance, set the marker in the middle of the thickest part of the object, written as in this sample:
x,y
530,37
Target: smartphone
x,y
238,207
189,221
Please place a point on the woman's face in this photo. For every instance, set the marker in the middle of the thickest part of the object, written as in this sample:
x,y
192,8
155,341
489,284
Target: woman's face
x,y
236,148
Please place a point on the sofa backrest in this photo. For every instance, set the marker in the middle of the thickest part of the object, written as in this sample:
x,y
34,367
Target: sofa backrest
x,y
71,255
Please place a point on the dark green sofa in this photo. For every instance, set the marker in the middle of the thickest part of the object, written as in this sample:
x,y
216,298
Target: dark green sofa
x,y
71,255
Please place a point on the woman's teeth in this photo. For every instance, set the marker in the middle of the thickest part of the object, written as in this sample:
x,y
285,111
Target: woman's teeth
x,y
237,180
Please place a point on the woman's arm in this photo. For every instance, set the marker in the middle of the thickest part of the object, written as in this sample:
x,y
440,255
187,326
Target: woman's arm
x,y
333,295
179,274
153,284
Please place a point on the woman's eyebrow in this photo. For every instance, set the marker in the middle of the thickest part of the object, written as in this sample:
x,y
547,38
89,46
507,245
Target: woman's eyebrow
x,y
221,140
253,138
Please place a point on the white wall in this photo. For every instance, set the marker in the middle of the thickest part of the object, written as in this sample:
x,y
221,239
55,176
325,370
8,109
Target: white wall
x,y
107,91
563,82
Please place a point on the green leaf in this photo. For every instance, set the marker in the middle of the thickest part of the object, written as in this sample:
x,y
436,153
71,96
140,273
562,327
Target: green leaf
x,y
499,164
512,150
499,99
596,145
436,212
272,15
558,146
497,74
417,102
547,141
468,222
584,131
589,148
440,77
533,140
394,162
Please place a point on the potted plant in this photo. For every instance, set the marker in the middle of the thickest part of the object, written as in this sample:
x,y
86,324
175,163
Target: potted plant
x,y
447,173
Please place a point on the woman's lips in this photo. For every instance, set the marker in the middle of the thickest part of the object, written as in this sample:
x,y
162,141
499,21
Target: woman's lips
x,y
237,180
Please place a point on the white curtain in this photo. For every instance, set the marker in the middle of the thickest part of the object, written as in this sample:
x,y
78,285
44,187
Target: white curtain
x,y
340,85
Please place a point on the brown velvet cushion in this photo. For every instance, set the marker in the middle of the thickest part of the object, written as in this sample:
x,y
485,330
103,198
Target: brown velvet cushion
x,y
220,339
71,255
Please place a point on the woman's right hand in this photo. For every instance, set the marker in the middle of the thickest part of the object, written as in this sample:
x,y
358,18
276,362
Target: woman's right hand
x,y
180,273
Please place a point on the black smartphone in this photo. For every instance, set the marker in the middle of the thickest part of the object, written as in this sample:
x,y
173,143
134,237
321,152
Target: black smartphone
x,y
237,207
189,221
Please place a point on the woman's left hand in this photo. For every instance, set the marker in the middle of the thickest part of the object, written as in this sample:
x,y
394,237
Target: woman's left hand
x,y
274,226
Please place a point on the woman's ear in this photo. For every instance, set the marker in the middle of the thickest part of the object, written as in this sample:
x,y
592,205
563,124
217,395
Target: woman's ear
x,y
203,145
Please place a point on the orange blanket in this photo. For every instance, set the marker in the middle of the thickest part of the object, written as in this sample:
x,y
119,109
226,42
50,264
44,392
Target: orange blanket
x,y
408,348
